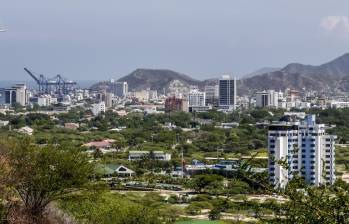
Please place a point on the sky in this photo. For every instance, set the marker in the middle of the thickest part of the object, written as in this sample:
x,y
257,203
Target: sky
x,y
99,40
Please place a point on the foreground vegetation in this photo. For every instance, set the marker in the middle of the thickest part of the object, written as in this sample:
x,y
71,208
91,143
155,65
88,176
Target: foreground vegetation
x,y
52,168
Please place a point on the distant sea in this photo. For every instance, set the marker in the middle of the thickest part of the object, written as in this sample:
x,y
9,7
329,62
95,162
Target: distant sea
x,y
31,84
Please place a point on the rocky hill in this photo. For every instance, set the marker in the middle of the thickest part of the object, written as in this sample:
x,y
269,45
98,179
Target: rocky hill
x,y
328,77
156,79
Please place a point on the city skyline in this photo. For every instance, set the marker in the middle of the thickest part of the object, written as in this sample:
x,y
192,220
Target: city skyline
x,y
198,38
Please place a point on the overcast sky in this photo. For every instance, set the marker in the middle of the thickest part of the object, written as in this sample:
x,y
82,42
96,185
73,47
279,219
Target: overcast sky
x,y
94,40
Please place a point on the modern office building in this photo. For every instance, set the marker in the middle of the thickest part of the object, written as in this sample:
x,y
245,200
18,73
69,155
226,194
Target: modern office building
x,y
227,93
300,148
121,89
268,98
16,94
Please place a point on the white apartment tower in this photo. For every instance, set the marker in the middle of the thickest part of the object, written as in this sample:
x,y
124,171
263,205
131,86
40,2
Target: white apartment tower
x,y
301,148
227,93
196,98
98,108
121,89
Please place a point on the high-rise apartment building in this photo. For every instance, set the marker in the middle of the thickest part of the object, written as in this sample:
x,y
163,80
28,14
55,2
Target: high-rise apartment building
x,y
227,93
268,98
121,89
211,94
196,98
21,94
301,148
176,104
98,108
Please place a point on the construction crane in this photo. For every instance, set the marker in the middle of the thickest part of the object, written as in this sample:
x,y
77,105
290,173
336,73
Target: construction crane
x,y
56,85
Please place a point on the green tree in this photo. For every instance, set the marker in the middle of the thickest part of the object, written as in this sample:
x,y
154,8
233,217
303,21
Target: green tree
x,y
41,175
206,182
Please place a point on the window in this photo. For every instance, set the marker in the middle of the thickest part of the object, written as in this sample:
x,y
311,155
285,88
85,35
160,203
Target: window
x,y
303,145
312,145
272,146
312,151
303,156
328,145
295,167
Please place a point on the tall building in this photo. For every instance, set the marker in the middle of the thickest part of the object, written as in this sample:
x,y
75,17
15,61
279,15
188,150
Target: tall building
x,y
211,94
268,98
227,93
121,89
98,108
10,96
16,94
21,94
109,99
176,104
196,98
301,148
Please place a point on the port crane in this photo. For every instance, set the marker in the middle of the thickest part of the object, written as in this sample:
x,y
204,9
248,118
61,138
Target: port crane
x,y
56,85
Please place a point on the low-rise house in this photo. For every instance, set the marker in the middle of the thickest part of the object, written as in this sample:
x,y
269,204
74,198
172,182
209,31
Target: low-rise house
x,y
104,144
113,170
157,155
26,130
3,123
73,126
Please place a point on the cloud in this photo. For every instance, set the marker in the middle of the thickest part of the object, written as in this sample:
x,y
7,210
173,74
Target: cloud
x,y
336,24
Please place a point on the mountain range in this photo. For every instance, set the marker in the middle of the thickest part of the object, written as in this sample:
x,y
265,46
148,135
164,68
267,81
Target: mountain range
x,y
332,76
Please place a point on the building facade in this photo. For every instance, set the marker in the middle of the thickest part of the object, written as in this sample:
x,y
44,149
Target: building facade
x,y
196,98
211,94
98,108
227,93
176,104
268,98
301,148
16,94
121,89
